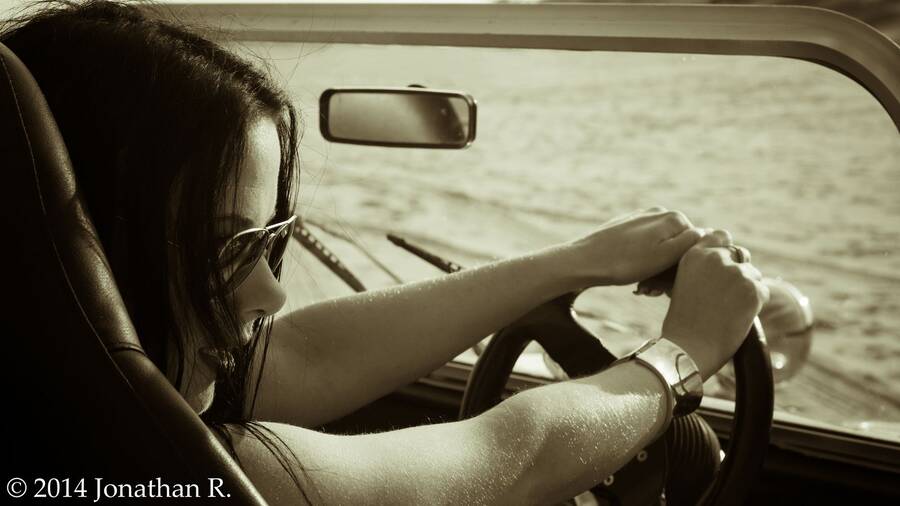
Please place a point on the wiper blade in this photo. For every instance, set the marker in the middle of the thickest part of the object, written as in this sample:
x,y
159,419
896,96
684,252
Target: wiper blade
x,y
346,237
441,263
326,256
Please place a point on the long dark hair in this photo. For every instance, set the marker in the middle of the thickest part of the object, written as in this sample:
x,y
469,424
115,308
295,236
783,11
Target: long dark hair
x,y
156,117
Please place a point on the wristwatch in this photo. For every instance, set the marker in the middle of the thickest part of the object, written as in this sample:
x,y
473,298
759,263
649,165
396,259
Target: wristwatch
x,y
676,369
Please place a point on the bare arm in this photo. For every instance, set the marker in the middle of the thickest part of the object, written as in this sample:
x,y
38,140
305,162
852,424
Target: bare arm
x,y
355,349
540,446
327,359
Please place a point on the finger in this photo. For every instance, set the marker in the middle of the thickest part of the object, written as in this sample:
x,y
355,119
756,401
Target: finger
x,y
649,215
724,254
718,238
625,217
640,214
750,271
763,292
680,243
675,222
728,255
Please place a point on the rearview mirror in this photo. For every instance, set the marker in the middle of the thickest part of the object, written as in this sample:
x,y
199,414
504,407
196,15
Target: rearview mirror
x,y
398,117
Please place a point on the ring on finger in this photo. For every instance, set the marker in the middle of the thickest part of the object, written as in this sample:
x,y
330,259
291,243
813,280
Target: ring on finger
x,y
739,254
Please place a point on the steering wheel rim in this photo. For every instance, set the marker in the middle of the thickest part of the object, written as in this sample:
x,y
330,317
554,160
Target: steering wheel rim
x,y
579,352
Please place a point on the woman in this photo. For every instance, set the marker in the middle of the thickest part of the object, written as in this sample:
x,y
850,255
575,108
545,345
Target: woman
x,y
187,160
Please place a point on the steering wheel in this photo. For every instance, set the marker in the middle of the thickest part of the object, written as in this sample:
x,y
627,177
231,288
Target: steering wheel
x,y
553,326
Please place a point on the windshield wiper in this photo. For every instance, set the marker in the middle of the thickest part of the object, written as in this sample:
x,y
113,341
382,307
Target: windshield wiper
x,y
441,263
326,256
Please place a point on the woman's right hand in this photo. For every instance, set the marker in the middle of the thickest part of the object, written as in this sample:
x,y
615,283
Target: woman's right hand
x,y
631,248
714,302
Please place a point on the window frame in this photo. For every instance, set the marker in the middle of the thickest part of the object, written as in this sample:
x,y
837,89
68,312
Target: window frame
x,y
816,35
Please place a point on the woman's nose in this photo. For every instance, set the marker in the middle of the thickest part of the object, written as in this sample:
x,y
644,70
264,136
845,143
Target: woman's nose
x,y
260,294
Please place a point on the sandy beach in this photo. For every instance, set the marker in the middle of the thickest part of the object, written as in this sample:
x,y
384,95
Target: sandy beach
x,y
798,162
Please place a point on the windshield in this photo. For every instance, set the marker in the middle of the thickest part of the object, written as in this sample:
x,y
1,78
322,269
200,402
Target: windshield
x,y
797,161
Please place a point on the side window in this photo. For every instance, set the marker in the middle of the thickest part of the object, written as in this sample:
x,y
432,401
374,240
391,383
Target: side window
x,y
799,162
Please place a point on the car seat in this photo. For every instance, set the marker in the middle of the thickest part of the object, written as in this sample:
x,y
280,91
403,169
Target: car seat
x,y
83,399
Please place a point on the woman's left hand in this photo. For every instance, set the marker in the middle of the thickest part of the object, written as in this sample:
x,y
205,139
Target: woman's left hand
x,y
634,247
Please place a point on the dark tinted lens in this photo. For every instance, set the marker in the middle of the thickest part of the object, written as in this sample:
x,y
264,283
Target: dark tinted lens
x,y
240,256
278,247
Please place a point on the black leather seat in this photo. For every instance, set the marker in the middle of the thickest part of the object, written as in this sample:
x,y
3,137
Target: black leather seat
x,y
83,400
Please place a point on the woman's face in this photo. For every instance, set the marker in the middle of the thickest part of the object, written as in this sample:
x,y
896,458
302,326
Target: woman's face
x,y
260,294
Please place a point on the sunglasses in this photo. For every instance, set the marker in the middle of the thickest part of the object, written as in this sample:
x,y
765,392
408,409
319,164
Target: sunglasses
x,y
239,256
